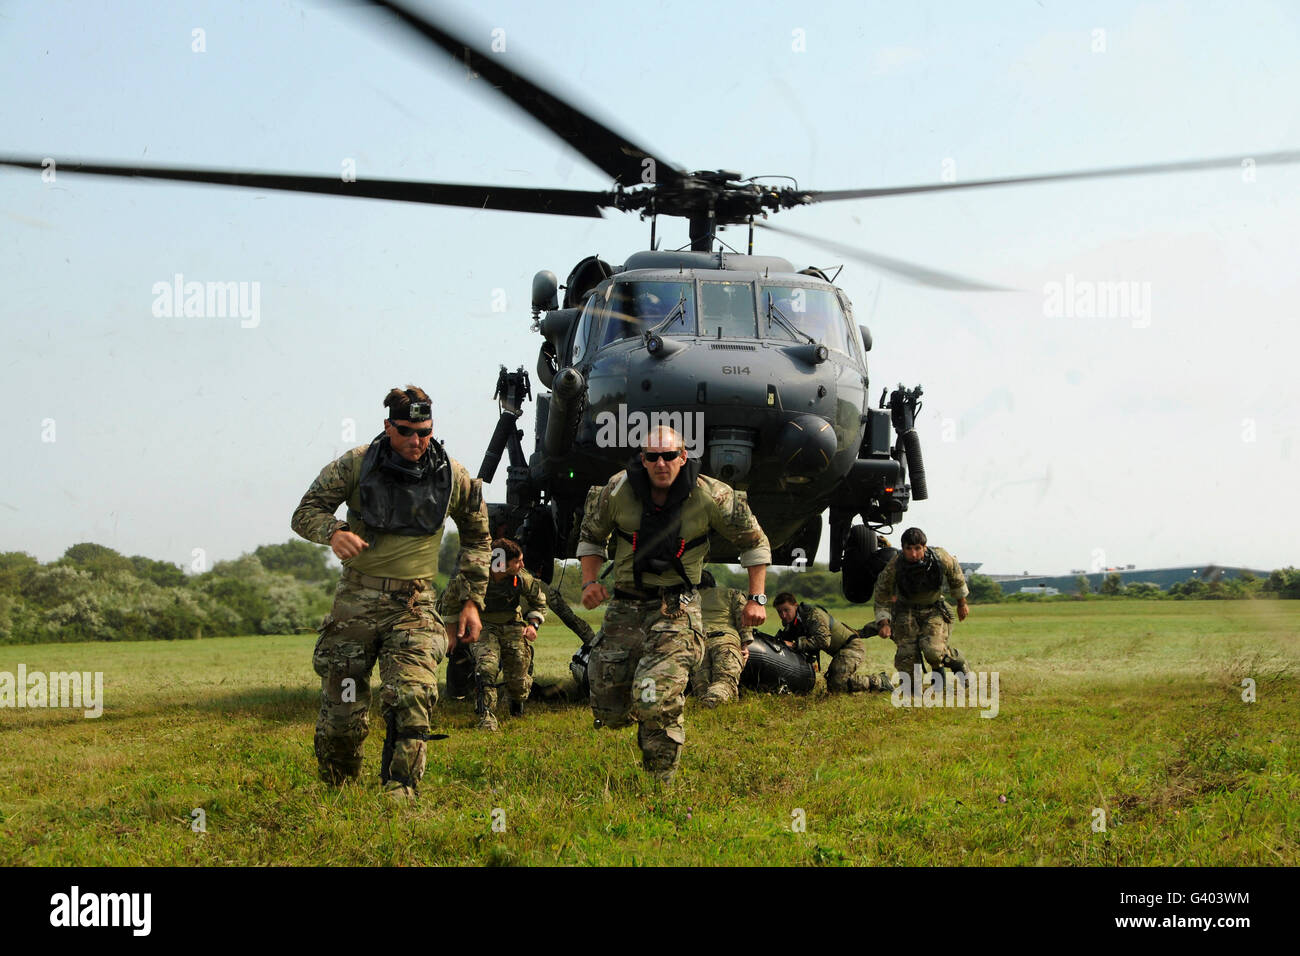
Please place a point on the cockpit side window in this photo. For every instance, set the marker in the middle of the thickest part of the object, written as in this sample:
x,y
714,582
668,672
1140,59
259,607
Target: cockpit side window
x,y
584,328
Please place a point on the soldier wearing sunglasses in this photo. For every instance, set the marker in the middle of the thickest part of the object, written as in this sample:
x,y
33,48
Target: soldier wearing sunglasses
x,y
399,490
659,511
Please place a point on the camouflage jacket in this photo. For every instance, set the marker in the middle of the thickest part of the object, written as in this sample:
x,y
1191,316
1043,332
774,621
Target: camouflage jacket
x,y
514,601
887,585
814,631
399,556
711,505
723,609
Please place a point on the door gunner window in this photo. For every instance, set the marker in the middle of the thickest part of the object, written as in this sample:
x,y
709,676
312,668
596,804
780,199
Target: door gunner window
x,y
638,307
727,310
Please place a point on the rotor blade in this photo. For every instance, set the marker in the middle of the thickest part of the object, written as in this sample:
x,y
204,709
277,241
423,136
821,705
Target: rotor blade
x,y
907,270
609,151
556,202
1186,166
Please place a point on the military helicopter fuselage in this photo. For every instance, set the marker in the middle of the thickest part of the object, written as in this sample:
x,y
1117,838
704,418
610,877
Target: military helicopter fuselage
x,y
759,367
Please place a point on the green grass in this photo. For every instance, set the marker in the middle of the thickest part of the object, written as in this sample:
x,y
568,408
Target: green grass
x,y
1132,707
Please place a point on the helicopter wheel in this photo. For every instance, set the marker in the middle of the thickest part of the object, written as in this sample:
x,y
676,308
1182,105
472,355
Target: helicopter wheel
x,y
856,579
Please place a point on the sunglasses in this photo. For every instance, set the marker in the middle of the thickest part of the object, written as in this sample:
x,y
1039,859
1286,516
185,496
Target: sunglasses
x,y
654,456
406,431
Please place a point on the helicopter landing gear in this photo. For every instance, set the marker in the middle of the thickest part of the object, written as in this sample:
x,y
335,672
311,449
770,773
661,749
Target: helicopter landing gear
x,y
537,538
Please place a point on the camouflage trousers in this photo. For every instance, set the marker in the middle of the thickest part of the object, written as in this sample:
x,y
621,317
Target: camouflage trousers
x,y
403,632
716,679
925,632
639,671
503,657
847,673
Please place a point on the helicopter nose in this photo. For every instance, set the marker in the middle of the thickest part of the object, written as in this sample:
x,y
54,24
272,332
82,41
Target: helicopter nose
x,y
805,446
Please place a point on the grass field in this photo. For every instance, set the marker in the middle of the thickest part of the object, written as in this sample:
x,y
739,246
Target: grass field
x,y
1128,707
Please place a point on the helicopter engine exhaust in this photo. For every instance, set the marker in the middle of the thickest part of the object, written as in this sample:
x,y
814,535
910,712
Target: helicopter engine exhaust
x,y
904,404
915,467
565,410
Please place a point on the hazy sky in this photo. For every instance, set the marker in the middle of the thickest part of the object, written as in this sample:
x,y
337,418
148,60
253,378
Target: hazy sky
x,y
1159,431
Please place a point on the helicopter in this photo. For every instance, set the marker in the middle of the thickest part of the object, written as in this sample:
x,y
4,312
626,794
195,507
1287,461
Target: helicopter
x,y
785,401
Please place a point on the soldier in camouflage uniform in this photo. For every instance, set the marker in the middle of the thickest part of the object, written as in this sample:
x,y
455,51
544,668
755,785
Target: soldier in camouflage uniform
x,y
726,643
661,511
810,630
514,609
909,591
399,489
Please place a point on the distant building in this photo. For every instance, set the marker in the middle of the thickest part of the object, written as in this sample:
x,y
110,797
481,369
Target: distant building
x,y
1162,578
1037,589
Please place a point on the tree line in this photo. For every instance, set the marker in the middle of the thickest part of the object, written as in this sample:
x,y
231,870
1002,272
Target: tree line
x,y
93,593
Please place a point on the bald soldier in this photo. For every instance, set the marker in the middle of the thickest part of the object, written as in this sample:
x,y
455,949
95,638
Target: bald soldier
x,y
911,610
660,511
399,490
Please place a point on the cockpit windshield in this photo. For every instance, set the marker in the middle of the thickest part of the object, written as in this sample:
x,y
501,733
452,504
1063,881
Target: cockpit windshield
x,y
727,310
639,307
815,313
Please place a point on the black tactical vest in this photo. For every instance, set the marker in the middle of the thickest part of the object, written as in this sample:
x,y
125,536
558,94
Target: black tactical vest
x,y
403,497
922,577
658,545
503,595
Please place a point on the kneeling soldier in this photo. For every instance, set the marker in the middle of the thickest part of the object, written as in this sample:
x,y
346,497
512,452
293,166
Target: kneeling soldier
x,y
514,609
662,510
726,643
811,630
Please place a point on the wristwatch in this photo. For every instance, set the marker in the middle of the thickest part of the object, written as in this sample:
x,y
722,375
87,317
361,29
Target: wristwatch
x,y
759,599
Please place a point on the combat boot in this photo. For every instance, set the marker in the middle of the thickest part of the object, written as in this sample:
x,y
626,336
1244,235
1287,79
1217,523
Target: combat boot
x,y
664,778
398,792
516,708
660,757
337,773
486,719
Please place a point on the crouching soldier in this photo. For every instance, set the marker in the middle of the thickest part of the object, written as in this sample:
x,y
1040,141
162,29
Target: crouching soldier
x,y
514,609
810,630
908,591
726,643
